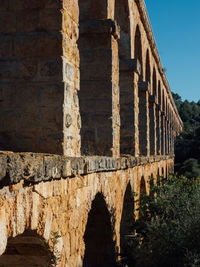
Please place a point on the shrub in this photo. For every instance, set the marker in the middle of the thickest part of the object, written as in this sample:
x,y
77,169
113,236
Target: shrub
x,y
168,229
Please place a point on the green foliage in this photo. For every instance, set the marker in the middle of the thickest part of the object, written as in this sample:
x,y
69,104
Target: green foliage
x,y
168,229
187,146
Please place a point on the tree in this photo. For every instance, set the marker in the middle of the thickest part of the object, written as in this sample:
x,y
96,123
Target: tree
x,y
168,229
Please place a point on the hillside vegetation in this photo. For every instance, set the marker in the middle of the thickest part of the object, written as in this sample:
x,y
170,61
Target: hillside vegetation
x,y
168,229
187,146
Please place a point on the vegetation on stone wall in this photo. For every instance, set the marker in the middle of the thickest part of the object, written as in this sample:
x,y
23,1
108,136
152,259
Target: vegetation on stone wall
x,y
187,147
168,229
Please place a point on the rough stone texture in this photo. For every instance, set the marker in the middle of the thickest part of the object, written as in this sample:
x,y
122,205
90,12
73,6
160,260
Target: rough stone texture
x,y
56,194
129,71
39,77
99,87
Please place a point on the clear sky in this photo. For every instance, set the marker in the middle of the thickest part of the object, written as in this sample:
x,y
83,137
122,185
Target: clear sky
x,y
176,27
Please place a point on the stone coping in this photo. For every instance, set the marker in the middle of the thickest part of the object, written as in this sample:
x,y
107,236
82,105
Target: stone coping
x,y
35,167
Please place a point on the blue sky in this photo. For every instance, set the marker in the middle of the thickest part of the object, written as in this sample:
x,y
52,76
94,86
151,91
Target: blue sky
x,y
176,27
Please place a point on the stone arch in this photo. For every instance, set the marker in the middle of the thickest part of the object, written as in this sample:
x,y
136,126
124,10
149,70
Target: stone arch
x,y
122,19
127,218
92,9
154,90
158,176
143,186
27,250
162,172
138,49
98,237
143,191
147,68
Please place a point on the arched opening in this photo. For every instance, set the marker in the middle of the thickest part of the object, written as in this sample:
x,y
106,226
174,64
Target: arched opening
x,y
158,120
143,186
27,250
163,101
159,94
98,62
158,177
98,237
138,50
148,70
162,172
127,220
125,78
122,18
152,116
142,194
143,96
154,82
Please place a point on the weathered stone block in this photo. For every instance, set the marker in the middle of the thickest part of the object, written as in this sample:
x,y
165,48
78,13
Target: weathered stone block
x,y
130,65
38,44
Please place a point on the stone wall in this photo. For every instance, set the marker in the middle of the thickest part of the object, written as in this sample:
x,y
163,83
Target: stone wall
x,y
47,194
39,77
63,54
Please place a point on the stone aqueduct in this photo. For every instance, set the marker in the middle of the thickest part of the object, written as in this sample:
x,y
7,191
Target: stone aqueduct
x,y
87,112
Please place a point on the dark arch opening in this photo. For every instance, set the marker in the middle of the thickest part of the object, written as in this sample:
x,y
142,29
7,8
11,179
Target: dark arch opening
x,y
148,70
96,72
122,18
127,228
158,177
99,245
159,94
143,186
162,172
163,101
154,82
138,50
127,219
125,79
166,174
27,250
143,192
166,106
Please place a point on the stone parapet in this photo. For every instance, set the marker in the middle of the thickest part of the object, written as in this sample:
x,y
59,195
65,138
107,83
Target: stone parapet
x,y
34,168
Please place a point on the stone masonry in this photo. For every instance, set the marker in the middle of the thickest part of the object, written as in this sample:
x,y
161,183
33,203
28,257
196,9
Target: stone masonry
x,y
87,117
